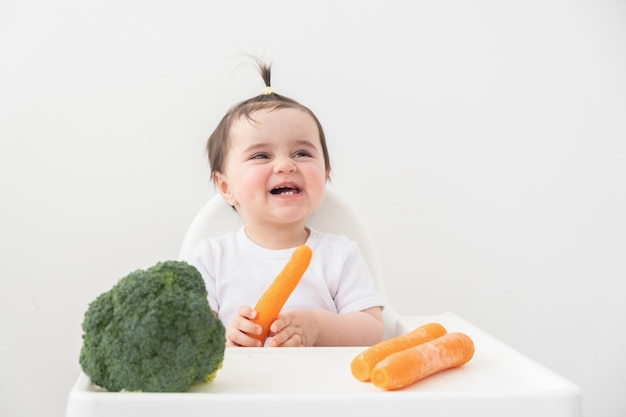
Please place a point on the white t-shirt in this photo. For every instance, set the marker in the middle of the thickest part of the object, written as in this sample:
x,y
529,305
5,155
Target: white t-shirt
x,y
237,271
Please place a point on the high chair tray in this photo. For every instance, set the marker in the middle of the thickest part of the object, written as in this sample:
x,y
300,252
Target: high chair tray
x,y
498,381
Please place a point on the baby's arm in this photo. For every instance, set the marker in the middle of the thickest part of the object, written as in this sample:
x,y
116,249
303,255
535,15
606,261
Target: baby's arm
x,y
325,328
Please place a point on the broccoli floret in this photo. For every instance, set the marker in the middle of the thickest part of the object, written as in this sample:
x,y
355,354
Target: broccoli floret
x,y
153,332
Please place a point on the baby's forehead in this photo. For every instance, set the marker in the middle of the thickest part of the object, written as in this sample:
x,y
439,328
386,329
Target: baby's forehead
x,y
274,119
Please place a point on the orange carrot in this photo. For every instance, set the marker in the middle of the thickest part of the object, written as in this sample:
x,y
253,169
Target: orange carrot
x,y
365,361
406,367
273,299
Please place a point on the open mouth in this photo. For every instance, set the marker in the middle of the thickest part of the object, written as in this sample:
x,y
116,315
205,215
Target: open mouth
x,y
286,190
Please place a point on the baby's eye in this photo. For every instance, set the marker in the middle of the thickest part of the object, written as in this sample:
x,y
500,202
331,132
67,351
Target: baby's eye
x,y
260,155
300,154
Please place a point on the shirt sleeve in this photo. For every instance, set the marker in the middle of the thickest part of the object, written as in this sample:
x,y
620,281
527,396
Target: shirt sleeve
x,y
356,290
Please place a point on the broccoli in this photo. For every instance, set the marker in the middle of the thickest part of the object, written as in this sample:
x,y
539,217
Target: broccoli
x,y
153,332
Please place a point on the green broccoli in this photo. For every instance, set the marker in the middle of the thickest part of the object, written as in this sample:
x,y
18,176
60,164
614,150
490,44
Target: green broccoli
x,y
153,332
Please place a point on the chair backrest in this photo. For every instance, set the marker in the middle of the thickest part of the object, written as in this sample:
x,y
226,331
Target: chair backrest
x,y
334,216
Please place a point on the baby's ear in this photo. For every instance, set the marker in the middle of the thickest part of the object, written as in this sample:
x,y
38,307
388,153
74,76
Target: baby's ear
x,y
221,183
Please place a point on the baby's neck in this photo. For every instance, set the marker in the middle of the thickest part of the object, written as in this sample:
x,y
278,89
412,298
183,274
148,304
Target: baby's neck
x,y
278,238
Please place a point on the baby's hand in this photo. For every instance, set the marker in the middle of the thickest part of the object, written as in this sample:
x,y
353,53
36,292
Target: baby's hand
x,y
294,328
241,327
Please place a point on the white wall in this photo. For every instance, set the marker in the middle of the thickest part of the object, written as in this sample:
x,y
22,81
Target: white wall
x,y
483,141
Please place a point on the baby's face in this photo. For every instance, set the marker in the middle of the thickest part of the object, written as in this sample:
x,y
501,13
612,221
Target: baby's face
x,y
274,169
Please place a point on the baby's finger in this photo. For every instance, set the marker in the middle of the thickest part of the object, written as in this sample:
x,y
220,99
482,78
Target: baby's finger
x,y
287,339
235,337
247,312
246,326
279,325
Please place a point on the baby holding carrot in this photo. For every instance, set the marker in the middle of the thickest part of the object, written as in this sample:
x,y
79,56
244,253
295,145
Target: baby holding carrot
x,y
269,161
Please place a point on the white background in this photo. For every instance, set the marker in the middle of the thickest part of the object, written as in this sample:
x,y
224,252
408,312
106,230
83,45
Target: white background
x,y
483,141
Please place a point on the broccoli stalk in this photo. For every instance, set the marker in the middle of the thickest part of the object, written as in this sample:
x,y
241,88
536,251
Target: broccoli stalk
x,y
153,332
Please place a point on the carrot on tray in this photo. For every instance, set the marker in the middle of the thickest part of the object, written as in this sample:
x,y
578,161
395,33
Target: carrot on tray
x,y
273,299
406,367
365,361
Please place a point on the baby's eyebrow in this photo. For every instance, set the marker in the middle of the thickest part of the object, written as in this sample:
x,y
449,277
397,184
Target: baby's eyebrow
x,y
262,145
255,147
304,142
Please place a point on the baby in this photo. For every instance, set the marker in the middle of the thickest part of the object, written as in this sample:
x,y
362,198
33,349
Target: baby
x,y
269,161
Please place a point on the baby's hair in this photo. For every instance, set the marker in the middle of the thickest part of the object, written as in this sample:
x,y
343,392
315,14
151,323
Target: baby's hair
x,y
219,141
266,73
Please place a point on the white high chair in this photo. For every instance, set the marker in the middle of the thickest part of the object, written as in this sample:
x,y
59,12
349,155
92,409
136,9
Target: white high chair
x,y
317,381
335,216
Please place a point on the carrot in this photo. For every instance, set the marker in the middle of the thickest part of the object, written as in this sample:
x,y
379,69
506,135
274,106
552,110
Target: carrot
x,y
365,361
273,299
406,367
